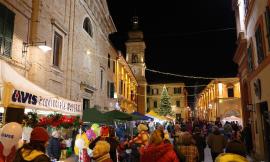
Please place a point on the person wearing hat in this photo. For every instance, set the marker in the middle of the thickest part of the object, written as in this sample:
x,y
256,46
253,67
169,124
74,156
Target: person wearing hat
x,y
101,152
54,147
35,150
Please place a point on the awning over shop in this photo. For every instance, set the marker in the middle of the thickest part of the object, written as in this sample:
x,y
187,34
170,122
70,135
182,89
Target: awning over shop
x,y
154,115
142,117
20,92
115,114
93,115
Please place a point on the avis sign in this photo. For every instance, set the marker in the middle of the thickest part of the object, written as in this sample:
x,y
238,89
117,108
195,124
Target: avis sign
x,y
45,103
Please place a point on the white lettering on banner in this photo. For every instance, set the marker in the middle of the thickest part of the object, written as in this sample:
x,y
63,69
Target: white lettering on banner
x,y
25,98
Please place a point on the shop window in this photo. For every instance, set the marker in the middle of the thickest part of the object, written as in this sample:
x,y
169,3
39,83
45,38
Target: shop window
x,y
57,49
177,90
230,92
86,103
259,43
155,104
177,103
6,30
109,60
87,26
250,58
267,20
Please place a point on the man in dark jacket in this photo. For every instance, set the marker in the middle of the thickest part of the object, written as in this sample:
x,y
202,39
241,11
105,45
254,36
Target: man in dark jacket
x,y
200,143
54,147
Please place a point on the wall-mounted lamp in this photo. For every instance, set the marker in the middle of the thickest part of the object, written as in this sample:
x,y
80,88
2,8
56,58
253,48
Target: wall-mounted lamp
x,y
40,45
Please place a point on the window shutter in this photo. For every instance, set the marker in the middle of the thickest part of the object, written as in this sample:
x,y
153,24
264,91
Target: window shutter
x,y
259,43
6,30
111,90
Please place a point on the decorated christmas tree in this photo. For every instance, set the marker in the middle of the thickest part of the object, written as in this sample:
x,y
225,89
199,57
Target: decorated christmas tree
x,y
165,104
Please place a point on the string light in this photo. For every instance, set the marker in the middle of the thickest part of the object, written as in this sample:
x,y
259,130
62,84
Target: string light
x,y
172,74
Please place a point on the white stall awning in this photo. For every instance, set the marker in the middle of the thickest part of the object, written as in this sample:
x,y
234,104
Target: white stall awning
x,y
27,94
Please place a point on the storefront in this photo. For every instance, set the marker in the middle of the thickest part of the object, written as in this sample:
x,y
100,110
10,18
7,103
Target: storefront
x,y
17,94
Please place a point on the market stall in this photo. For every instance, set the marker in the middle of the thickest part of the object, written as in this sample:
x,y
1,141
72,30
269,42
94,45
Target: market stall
x,y
18,92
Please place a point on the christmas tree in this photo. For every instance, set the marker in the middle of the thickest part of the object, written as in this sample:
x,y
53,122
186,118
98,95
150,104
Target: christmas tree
x,y
165,104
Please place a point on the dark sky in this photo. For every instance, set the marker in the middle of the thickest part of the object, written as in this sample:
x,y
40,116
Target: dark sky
x,y
192,37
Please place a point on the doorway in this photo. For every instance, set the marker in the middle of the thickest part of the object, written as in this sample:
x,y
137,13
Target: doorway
x,y
265,120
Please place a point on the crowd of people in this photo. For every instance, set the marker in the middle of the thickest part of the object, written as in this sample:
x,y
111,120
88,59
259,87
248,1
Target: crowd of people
x,y
151,142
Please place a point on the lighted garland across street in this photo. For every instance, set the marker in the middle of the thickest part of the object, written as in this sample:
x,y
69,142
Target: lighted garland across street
x,y
60,121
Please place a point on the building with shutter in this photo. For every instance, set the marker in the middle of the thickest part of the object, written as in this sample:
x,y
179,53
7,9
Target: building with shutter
x,y
220,99
178,98
81,64
253,58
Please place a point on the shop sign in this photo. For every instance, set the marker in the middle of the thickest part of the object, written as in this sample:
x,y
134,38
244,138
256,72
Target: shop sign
x,y
46,103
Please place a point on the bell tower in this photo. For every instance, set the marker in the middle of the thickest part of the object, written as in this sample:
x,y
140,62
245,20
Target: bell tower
x,y
135,47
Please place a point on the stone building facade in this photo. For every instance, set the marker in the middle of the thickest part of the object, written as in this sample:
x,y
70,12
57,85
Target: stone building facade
x,y
126,86
220,99
253,58
81,63
178,97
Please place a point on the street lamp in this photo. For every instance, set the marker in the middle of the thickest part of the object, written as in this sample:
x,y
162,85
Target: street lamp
x,y
40,45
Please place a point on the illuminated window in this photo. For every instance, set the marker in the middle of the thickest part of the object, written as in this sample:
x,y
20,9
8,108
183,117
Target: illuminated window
x,y
6,30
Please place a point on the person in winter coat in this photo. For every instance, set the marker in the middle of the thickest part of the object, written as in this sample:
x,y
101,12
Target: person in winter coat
x,y
35,150
101,152
107,134
54,147
216,142
188,148
236,146
200,142
157,150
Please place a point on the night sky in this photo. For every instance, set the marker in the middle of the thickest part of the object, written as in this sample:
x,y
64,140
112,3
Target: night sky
x,y
192,37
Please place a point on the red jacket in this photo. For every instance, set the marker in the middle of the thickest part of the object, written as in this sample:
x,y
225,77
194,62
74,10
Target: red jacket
x,y
11,155
158,153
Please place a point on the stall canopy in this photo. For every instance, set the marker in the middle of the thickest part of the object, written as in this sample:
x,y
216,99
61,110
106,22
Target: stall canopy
x,y
20,92
142,117
154,115
93,115
116,114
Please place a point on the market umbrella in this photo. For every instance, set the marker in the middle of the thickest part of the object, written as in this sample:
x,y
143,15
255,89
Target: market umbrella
x,y
93,115
116,114
142,117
